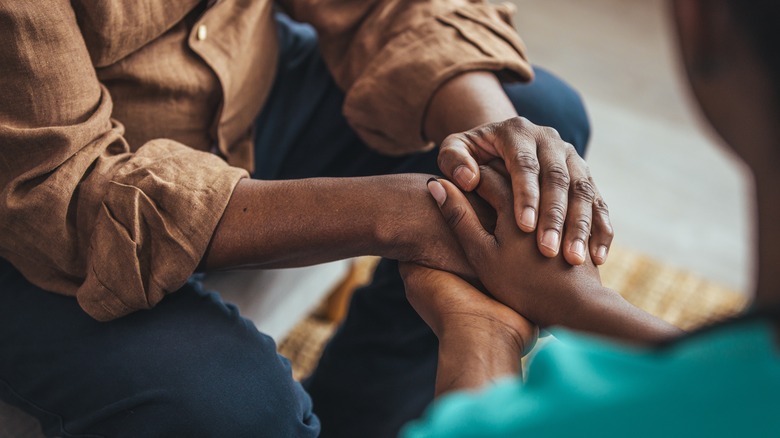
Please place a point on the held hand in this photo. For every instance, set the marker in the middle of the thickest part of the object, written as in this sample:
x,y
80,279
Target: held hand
x,y
456,310
553,190
546,290
416,232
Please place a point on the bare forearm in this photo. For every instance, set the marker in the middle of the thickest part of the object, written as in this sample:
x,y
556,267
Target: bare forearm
x,y
464,102
467,363
607,313
275,224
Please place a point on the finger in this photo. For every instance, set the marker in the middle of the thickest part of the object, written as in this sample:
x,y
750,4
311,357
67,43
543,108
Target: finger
x,y
555,194
416,278
500,168
495,189
601,231
519,153
430,280
486,214
456,161
463,222
582,193
410,271
419,286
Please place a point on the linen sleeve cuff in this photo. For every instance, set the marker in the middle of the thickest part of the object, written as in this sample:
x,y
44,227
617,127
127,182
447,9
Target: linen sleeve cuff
x,y
387,104
153,226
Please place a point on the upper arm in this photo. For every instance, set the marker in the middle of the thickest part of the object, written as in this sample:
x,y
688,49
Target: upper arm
x,y
392,55
46,69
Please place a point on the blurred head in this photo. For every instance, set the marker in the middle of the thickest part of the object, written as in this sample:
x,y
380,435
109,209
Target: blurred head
x,y
732,56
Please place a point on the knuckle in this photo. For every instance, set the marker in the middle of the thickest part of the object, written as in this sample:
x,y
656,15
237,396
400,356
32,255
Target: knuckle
x,y
601,207
573,160
449,147
489,130
582,189
449,142
557,176
607,231
473,136
525,193
581,226
550,132
518,122
446,155
527,162
441,159
456,216
554,215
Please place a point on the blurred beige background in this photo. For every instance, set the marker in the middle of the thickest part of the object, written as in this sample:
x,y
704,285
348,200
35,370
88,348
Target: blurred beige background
x,y
673,190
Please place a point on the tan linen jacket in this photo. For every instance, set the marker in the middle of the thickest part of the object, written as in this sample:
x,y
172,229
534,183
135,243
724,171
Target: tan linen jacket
x,y
125,125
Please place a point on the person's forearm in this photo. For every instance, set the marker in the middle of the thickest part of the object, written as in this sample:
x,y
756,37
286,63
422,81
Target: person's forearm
x,y
607,313
276,224
472,361
464,102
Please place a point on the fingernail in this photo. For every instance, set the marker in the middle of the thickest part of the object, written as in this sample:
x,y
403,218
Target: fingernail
x,y
550,240
437,191
464,176
578,247
601,252
528,218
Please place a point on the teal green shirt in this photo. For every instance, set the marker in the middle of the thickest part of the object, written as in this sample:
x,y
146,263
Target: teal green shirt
x,y
725,382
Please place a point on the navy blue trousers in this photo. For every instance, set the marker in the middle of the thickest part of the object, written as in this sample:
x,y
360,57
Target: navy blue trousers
x,y
192,366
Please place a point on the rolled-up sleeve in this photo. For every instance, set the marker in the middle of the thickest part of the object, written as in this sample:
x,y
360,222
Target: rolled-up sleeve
x,y
80,214
392,55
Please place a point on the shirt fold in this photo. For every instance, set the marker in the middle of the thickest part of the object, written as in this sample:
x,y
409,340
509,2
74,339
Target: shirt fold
x,y
108,112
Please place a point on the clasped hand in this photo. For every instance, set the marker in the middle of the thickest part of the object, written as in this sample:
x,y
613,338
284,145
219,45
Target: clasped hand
x,y
517,169
553,191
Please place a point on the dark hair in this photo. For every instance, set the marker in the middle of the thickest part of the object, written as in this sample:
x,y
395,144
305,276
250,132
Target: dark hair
x,y
761,20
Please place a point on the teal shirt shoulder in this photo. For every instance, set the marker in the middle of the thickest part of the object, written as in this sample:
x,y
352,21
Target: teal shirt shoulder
x,y
725,382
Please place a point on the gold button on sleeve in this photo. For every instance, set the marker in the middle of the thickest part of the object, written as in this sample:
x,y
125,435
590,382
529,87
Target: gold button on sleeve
x,y
202,32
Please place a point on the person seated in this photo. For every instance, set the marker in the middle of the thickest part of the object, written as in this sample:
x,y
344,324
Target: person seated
x,y
128,134
650,379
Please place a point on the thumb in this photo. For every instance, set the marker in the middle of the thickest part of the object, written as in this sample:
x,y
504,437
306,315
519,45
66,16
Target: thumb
x,y
463,221
457,163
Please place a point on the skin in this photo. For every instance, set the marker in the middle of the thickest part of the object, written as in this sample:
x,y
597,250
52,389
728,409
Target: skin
x,y
547,291
551,183
485,336
737,96
467,354
393,216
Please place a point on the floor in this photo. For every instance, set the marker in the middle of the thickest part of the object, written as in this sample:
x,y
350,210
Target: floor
x,y
673,190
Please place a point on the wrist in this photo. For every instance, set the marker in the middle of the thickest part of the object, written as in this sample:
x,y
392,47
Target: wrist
x,y
484,337
470,362
402,210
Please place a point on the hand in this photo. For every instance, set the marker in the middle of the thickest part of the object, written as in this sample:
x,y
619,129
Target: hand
x,y
454,309
480,339
415,231
535,156
547,291
506,261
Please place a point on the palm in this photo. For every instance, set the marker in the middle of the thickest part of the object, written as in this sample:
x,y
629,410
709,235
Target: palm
x,y
445,301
